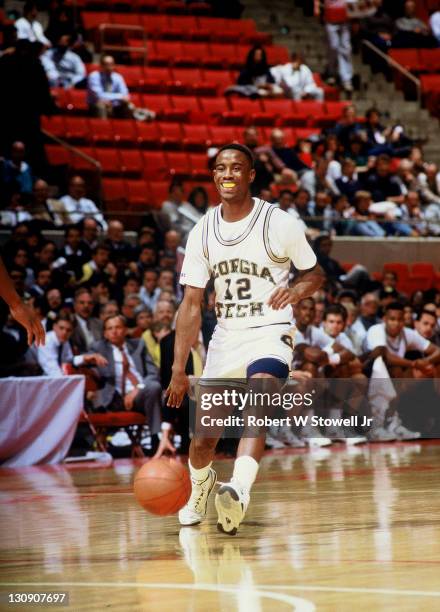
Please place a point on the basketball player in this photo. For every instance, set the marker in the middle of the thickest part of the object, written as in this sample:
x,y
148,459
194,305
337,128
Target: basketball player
x,y
247,246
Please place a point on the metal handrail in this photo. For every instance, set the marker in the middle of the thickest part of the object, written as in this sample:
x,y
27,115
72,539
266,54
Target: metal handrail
x,y
81,154
114,26
391,62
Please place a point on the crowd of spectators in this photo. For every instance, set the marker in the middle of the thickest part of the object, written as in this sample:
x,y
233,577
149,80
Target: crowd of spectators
x,y
109,305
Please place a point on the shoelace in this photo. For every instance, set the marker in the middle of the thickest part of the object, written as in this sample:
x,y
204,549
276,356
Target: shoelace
x,y
201,494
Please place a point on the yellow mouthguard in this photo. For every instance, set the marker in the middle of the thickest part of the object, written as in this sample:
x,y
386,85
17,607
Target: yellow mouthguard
x,y
227,185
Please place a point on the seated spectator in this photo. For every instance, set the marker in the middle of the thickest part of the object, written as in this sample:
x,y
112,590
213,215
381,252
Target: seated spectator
x,y
120,249
150,291
426,325
131,285
54,303
296,79
405,177
172,209
431,215
97,265
392,341
321,210
282,158
15,173
388,286
378,29
47,253
163,317
348,184
144,321
71,257
357,151
89,234
428,184
129,380
29,28
57,350
101,291
198,198
128,310
434,22
391,140
348,127
264,168
362,221
109,309
17,210
43,280
413,215
357,277
63,67
255,80
382,184
48,211
412,31
20,257
77,206
147,259
107,92
316,179
87,328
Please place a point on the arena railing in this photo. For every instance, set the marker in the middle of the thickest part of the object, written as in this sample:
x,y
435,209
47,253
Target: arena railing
x,y
395,65
96,166
104,28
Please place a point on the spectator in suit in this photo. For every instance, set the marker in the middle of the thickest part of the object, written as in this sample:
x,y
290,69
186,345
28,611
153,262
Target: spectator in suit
x,y
90,231
63,67
58,350
348,184
129,380
119,248
108,94
42,282
71,257
87,329
48,212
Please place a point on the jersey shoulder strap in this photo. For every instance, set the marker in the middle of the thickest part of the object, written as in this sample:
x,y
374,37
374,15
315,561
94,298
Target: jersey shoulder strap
x,y
270,209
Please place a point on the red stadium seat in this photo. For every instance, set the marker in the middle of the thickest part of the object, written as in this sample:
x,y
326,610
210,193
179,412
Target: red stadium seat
x,y
408,58
184,108
429,60
183,79
192,54
210,26
83,163
133,76
157,103
306,132
274,110
156,79
124,131
401,270
57,155
136,193
199,166
170,135
158,192
212,108
114,193
77,129
181,27
148,134
166,53
92,20
126,19
55,125
109,160
277,55
223,134
423,269
242,109
155,25
221,56
77,100
132,162
334,110
195,136
179,165
213,82
101,131
311,110
155,165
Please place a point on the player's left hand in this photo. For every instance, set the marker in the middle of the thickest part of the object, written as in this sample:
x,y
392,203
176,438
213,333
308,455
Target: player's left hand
x,y
26,316
282,297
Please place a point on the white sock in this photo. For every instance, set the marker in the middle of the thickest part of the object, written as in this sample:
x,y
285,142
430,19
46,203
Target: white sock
x,y
200,474
335,413
245,471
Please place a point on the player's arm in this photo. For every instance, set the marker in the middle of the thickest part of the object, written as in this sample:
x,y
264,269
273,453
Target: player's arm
x,y
379,351
187,328
304,286
24,314
432,356
345,355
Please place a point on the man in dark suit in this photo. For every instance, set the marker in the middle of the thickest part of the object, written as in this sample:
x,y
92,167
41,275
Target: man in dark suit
x,y
87,329
130,380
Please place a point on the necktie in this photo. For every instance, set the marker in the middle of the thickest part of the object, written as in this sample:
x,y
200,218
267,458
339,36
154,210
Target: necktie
x,y
60,354
126,373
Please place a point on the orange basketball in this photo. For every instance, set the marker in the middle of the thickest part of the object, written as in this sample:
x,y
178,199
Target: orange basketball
x,y
162,486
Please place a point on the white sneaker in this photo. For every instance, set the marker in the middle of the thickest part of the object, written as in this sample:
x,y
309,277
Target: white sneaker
x,y
273,442
346,435
120,439
194,511
231,503
313,437
289,439
403,433
380,434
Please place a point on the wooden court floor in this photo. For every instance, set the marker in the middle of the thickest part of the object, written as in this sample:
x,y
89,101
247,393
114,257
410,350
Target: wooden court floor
x,y
336,530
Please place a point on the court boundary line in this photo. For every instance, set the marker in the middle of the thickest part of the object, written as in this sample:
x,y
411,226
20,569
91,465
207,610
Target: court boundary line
x,y
229,588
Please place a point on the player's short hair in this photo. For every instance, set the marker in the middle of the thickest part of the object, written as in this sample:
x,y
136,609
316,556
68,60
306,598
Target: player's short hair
x,y
394,306
336,309
425,312
236,147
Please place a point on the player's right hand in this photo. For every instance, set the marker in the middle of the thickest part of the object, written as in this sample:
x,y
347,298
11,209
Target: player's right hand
x,y
26,316
177,389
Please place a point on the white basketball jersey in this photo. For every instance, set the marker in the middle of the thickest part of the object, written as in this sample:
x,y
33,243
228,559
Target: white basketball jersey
x,y
248,260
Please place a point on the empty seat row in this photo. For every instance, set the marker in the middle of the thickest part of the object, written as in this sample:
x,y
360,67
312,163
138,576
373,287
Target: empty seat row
x,y
180,27
417,60
232,110
215,55
154,79
123,133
